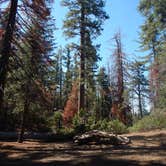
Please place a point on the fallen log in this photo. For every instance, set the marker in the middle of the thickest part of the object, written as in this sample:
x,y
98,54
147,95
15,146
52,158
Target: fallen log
x,y
100,137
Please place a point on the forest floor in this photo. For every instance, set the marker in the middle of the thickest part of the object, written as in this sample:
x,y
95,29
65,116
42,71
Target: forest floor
x,y
146,148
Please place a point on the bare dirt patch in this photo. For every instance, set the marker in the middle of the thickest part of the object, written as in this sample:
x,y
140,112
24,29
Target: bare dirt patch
x,y
147,148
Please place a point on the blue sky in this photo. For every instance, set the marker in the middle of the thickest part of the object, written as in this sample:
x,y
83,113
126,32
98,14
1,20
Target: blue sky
x,y
124,16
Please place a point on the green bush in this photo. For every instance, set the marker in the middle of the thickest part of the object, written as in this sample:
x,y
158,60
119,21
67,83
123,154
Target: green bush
x,y
78,124
101,125
90,123
114,126
117,127
55,121
65,131
156,120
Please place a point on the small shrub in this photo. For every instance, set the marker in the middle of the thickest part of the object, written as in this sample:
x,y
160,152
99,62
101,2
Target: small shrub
x,y
78,125
66,131
90,123
156,120
117,127
114,126
55,121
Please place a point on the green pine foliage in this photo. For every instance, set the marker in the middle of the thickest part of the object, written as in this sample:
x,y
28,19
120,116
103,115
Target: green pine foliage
x,y
139,85
152,38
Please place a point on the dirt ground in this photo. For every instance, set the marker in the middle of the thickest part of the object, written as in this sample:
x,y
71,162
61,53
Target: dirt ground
x,y
148,148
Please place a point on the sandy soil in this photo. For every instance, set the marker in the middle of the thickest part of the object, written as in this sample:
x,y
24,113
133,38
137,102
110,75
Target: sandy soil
x,y
148,148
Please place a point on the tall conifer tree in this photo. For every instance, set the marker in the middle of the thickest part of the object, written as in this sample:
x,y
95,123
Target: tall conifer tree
x,y
85,17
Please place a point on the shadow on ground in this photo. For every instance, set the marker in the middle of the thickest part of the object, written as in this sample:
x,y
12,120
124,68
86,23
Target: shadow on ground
x,y
144,150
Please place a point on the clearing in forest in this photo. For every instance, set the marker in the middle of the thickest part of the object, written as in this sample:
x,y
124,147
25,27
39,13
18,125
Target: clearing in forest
x,y
147,148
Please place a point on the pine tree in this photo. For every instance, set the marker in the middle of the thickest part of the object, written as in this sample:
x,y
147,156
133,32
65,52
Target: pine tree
x,y
6,47
37,64
68,78
34,82
59,79
28,13
91,71
105,94
152,38
84,18
139,84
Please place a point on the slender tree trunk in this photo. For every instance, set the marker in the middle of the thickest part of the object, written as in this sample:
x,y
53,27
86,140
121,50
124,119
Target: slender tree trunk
x,y
6,48
60,85
140,101
23,121
81,102
156,73
24,115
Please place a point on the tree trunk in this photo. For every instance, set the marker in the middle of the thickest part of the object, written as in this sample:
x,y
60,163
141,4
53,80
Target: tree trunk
x,y
140,101
81,102
6,48
24,114
120,68
155,76
23,121
60,85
